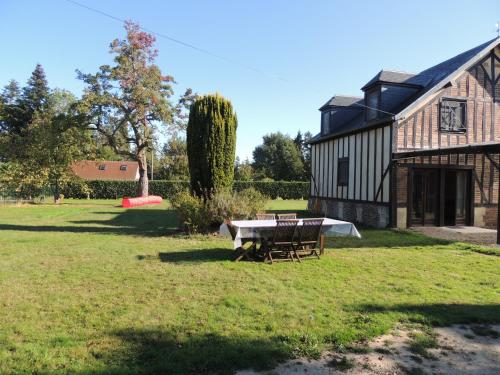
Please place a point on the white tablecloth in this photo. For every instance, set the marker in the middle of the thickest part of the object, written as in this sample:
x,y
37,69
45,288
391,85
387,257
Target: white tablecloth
x,y
253,228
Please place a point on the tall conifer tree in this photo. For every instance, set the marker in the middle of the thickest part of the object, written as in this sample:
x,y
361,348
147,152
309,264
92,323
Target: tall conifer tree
x,y
211,144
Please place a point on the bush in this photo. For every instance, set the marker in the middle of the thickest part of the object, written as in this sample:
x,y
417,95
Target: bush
x,y
253,200
167,189
199,215
191,212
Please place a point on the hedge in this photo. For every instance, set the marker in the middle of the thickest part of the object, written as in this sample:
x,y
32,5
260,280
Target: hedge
x,y
117,189
276,189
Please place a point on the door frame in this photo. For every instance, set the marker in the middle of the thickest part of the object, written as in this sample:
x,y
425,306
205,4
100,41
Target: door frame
x,y
441,178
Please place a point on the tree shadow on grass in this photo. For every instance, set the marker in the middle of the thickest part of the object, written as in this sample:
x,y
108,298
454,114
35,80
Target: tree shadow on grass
x,y
384,238
184,351
191,256
440,314
157,351
137,222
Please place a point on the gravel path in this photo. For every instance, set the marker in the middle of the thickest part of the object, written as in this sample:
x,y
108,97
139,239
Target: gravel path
x,y
475,235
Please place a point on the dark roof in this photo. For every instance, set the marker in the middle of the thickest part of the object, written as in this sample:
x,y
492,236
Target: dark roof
x,y
422,83
390,76
431,77
342,101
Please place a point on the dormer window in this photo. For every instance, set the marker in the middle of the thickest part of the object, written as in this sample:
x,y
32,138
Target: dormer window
x,y
102,167
372,104
123,167
453,115
325,122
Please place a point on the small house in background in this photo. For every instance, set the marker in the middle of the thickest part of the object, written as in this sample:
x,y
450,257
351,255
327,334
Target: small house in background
x,y
415,149
106,170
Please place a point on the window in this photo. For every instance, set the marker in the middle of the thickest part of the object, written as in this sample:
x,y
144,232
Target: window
x,y
453,115
102,167
343,172
326,122
372,104
123,167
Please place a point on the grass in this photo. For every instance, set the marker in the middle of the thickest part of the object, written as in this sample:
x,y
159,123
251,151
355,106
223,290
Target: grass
x,y
88,287
421,342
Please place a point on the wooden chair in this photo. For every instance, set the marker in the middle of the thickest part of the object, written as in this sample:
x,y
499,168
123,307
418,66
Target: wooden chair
x,y
291,216
265,216
308,237
241,252
282,240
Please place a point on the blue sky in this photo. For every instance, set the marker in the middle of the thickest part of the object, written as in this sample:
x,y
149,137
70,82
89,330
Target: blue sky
x,y
308,50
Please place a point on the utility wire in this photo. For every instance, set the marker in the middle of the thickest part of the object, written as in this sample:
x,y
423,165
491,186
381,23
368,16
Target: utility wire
x,y
178,41
202,50
375,109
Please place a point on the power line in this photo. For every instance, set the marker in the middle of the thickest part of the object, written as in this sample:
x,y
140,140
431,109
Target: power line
x,y
375,109
178,41
204,51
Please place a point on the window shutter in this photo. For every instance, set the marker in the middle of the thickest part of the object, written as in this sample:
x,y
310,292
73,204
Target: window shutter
x,y
453,115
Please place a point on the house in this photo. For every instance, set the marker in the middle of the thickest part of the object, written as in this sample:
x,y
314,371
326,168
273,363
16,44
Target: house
x,y
106,170
415,149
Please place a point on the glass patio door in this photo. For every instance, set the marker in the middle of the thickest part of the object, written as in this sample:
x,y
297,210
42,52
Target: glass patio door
x,y
461,198
425,197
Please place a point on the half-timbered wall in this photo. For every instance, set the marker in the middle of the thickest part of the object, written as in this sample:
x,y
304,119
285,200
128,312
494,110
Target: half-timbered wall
x,y
480,88
369,153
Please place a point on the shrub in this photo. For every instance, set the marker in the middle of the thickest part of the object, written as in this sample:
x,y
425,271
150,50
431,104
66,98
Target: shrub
x,y
253,200
197,214
191,212
224,205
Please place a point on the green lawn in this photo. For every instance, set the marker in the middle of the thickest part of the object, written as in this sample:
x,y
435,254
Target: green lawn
x,y
88,287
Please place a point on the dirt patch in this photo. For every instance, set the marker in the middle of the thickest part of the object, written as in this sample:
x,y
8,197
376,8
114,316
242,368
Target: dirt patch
x,y
459,349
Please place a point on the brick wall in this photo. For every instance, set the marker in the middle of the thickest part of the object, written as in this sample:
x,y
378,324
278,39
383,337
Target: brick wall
x,y
490,217
421,129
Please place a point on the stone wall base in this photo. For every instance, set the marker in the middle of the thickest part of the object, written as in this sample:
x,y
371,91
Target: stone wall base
x,y
485,217
370,214
402,220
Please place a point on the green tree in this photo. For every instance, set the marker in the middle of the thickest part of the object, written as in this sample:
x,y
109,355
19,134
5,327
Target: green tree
x,y
211,144
278,158
35,97
125,102
243,171
18,107
302,143
51,141
173,163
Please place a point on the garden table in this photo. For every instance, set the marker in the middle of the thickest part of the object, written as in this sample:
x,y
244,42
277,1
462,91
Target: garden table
x,y
257,229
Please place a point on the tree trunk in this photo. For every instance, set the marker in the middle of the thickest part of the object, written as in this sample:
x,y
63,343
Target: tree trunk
x,y
57,193
143,188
